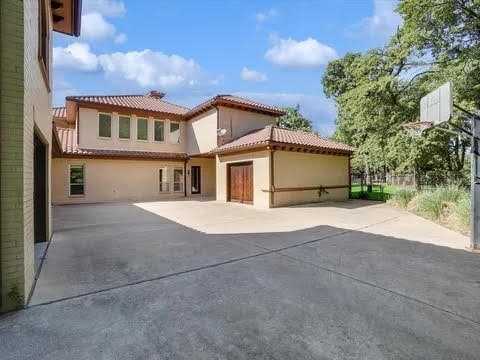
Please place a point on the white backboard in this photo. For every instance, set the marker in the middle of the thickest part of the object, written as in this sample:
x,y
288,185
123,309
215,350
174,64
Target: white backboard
x,y
437,106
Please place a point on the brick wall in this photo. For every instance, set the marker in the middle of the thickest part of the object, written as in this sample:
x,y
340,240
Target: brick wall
x,y
25,108
11,153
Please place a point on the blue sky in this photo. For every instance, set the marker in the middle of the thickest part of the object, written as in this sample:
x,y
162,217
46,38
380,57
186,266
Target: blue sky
x,y
270,51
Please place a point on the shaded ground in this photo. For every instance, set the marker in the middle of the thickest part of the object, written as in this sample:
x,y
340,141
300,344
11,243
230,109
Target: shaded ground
x,y
120,282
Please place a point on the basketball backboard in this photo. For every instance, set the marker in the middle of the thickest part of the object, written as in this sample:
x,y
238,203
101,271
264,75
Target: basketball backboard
x,y
437,106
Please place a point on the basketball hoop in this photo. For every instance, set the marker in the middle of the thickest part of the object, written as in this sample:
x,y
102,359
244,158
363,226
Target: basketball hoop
x,y
416,128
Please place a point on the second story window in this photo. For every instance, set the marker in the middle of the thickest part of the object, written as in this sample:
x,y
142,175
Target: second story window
x,y
159,130
174,132
124,127
105,125
142,129
44,41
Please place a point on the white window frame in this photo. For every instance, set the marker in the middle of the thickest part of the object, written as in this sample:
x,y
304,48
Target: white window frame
x,y
111,126
142,118
178,182
166,182
130,127
69,180
164,132
170,132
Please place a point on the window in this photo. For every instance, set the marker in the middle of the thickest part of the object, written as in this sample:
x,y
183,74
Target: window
x,y
163,180
105,125
142,129
159,130
77,180
44,41
178,179
174,132
124,127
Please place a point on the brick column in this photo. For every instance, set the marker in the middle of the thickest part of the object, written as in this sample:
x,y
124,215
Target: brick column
x,y
12,274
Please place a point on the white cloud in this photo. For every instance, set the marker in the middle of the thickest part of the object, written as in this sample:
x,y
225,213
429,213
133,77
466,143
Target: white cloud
x,y
61,89
95,27
149,68
265,16
381,25
252,75
108,8
75,56
120,39
317,108
306,53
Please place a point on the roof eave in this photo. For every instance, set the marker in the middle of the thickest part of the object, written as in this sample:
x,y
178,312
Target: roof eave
x,y
118,107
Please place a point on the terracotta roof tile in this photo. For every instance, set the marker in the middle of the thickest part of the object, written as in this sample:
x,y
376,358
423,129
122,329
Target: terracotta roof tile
x,y
140,102
69,148
59,112
230,100
275,135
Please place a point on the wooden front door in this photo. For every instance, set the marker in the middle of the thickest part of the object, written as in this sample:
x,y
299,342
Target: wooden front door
x,y
240,185
196,180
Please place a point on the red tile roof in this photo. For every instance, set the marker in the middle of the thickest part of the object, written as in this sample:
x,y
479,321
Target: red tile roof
x,y
139,102
273,135
69,148
230,100
59,112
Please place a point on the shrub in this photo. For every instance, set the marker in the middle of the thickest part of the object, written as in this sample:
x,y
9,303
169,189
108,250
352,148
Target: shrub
x,y
430,203
462,212
450,193
403,196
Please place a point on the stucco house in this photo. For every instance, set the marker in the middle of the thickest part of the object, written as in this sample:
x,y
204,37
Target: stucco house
x,y
140,147
26,134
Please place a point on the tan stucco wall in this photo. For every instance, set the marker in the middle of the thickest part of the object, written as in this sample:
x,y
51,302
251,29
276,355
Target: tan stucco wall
x,y
239,122
112,180
292,169
207,173
89,139
38,115
261,176
202,133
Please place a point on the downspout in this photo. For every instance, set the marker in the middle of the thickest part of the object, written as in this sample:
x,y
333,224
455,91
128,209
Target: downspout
x,y
272,178
349,176
185,177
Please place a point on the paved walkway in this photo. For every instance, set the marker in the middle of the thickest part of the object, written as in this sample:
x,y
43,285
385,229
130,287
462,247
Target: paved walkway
x,y
120,282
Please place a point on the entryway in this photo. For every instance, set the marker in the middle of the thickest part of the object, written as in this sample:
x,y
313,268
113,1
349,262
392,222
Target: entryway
x,y
40,190
196,179
240,182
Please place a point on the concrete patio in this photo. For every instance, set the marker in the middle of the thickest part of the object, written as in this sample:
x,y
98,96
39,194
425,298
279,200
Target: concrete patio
x,y
193,279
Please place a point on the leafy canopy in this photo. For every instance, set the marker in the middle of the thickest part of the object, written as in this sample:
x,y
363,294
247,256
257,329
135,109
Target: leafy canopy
x,y
293,119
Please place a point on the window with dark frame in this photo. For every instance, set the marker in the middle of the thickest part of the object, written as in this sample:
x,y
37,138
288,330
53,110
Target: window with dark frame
x,y
159,130
163,180
174,132
178,179
124,127
142,129
44,40
105,125
77,180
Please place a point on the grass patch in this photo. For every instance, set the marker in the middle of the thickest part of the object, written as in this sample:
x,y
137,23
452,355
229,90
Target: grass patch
x,y
378,193
463,208
402,197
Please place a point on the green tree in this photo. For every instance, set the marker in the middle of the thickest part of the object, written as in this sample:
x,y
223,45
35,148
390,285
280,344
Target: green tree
x,y
293,119
376,92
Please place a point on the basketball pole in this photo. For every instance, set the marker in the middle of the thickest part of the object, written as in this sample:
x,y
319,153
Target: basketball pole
x,y
475,153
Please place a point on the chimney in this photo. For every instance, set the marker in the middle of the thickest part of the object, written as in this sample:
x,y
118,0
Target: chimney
x,y
156,94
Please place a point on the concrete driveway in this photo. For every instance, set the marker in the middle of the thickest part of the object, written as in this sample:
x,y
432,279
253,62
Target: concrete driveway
x,y
203,280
